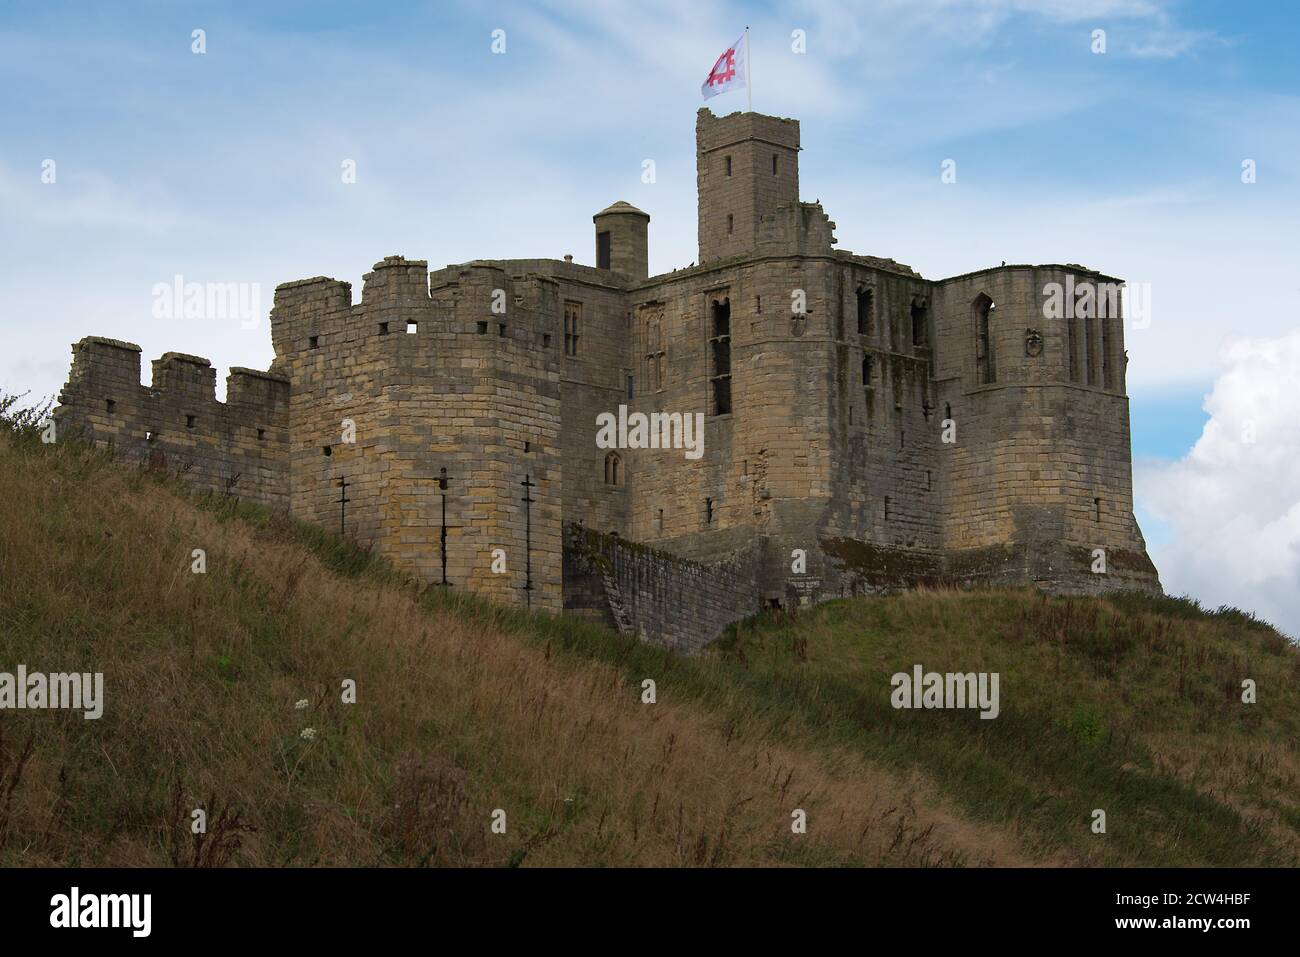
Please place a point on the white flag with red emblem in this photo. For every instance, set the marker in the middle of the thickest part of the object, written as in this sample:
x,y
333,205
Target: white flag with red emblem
x,y
731,72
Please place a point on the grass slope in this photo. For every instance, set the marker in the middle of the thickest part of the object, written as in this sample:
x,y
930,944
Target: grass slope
x,y
1127,704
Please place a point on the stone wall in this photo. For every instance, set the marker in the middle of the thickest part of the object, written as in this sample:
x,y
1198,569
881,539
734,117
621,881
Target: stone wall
x,y
659,597
238,447
886,423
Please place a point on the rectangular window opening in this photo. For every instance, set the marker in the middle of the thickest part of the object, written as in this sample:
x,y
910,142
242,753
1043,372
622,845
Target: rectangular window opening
x,y
411,327
1072,343
1107,376
866,311
720,355
920,324
1096,348
189,421
722,396
313,342
383,328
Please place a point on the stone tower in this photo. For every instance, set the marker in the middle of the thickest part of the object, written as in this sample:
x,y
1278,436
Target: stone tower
x,y
425,386
747,166
622,241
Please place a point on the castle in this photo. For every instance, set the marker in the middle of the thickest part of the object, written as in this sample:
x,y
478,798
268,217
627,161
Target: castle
x,y
864,428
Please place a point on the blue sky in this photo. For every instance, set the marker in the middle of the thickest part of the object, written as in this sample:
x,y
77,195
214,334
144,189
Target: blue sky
x,y
225,166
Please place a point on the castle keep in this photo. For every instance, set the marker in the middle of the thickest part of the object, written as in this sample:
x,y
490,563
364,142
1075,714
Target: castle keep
x,y
864,428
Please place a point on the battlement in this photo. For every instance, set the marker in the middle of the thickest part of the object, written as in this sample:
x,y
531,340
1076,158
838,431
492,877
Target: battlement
x,y
109,360
176,422
177,374
90,342
111,367
501,312
395,280
714,132
319,293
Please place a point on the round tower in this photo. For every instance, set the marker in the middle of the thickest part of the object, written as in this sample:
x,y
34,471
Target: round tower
x,y
622,243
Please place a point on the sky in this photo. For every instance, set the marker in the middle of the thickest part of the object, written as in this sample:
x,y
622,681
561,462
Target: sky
x,y
228,166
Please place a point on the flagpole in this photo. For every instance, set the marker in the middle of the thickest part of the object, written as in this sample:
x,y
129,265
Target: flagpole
x,y
749,73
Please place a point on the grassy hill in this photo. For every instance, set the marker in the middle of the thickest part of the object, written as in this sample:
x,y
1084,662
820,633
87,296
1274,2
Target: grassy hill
x,y
1128,704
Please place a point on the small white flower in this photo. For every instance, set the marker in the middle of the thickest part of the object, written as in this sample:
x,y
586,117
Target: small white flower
x,y
299,705
308,733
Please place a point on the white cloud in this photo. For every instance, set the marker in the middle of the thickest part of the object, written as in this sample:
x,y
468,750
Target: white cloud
x,y
1232,505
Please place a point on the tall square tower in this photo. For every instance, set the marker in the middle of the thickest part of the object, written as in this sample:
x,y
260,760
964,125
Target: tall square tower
x,y
747,165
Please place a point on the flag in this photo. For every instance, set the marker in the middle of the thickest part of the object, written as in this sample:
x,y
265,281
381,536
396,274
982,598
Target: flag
x,y
730,72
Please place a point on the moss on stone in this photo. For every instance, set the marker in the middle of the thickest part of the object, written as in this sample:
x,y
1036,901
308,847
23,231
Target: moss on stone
x,y
880,566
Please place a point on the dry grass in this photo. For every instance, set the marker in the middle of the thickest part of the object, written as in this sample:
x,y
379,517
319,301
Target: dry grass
x,y
455,717
1129,704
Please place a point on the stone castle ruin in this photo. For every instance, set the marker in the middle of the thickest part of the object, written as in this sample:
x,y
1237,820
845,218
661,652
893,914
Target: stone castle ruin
x,y
865,428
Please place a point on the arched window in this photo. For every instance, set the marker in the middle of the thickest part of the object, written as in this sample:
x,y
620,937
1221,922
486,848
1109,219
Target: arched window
x,y
985,364
613,469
